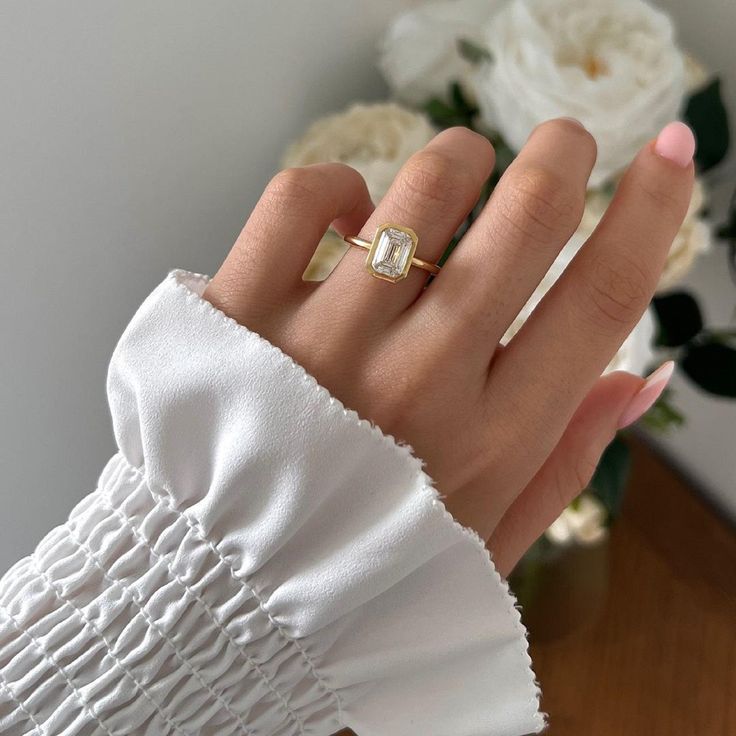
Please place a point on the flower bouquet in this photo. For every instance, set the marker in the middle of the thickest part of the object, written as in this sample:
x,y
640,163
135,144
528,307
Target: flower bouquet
x,y
500,67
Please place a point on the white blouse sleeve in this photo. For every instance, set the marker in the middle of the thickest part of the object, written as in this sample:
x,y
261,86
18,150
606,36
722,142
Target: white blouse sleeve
x,y
258,560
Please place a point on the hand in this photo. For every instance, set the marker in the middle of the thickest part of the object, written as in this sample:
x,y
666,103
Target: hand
x,y
510,434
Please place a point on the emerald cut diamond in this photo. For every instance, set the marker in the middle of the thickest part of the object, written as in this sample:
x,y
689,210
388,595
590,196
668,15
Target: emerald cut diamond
x,y
391,253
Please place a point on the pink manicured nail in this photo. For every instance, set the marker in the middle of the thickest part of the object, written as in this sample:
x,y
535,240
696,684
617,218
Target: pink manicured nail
x,y
676,143
646,395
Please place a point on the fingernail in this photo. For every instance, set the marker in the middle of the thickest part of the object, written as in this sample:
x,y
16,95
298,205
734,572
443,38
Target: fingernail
x,y
676,143
645,397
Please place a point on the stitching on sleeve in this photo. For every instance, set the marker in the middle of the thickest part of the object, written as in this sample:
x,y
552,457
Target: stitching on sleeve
x,y
168,499
50,660
127,592
513,608
6,687
177,728
210,613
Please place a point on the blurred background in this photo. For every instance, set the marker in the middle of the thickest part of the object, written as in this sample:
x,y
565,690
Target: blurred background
x,y
136,137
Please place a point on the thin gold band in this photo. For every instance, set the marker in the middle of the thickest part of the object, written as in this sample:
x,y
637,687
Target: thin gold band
x,y
418,262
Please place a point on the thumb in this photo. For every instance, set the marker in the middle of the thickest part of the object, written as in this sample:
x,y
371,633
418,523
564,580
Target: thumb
x,y
615,401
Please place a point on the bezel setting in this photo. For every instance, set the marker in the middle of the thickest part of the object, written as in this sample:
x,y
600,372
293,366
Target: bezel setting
x,y
391,252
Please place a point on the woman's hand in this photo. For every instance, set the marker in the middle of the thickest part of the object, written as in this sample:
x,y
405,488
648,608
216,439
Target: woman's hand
x,y
512,434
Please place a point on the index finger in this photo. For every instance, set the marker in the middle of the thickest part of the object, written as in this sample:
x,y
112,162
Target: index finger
x,y
264,268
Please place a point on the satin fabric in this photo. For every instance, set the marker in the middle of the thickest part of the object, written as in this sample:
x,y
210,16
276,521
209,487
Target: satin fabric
x,y
256,559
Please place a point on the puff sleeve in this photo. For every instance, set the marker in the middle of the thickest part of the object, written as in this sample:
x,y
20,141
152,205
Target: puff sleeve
x,y
256,559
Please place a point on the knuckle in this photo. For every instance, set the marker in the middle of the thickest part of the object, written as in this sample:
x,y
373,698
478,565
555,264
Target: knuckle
x,y
576,476
432,178
617,292
467,133
558,127
473,141
293,188
540,205
572,477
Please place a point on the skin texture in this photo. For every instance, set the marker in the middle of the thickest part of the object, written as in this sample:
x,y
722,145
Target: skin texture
x,y
509,434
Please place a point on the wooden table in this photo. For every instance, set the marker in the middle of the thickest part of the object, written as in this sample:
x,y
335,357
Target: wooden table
x,y
653,650
660,656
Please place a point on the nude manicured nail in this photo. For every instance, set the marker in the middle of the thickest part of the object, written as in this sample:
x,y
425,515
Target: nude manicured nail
x,y
676,143
645,397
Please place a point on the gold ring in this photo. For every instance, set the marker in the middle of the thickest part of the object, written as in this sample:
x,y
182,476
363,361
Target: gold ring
x,y
391,254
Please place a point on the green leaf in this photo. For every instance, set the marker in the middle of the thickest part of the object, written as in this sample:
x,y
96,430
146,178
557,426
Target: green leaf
x,y
504,156
461,102
727,231
441,113
679,318
712,366
455,110
707,116
609,480
472,52
527,577
450,247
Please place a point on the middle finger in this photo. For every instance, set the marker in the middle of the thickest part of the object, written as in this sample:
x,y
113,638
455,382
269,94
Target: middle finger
x,y
432,194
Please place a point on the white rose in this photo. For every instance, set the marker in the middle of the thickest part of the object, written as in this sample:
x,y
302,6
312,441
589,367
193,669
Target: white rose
x,y
636,355
612,64
696,74
376,140
419,56
692,239
584,522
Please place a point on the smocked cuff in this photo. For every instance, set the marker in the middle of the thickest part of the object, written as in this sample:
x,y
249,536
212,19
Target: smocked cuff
x,y
258,559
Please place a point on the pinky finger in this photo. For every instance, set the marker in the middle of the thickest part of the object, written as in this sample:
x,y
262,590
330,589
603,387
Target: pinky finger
x,y
616,400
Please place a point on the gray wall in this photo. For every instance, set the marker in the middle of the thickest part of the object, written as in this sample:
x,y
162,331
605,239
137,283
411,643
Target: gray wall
x,y
135,137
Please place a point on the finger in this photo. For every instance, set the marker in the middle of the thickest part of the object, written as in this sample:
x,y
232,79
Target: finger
x,y
567,471
581,322
264,267
432,194
534,210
